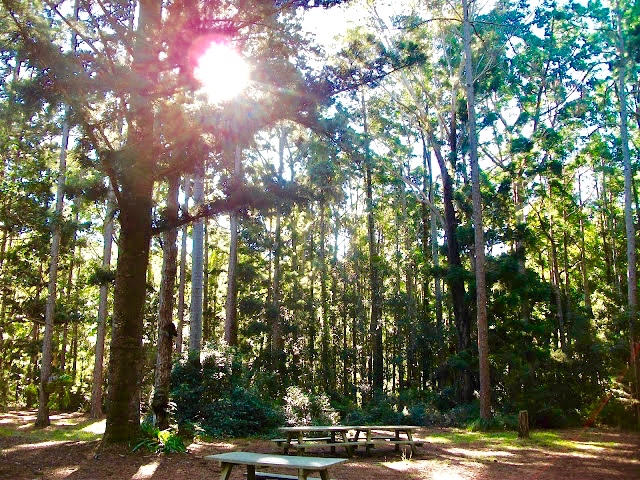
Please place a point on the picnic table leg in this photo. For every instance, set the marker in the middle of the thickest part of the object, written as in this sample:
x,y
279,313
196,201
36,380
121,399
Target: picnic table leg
x,y
288,443
303,474
225,470
413,445
300,442
251,472
324,474
333,440
397,438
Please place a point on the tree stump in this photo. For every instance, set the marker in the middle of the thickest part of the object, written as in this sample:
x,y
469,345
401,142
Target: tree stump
x,y
523,424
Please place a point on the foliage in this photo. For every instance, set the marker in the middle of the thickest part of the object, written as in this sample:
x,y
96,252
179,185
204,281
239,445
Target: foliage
x,y
215,397
159,441
301,408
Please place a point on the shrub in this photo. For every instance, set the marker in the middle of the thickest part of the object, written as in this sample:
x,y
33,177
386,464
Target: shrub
x,y
214,397
159,441
302,408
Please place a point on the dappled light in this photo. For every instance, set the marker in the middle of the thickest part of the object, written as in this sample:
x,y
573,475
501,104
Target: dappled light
x,y
32,446
146,471
95,427
474,453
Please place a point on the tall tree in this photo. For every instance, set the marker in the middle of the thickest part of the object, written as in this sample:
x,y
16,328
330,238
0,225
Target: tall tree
x,y
630,229
197,269
166,327
98,363
479,246
231,305
42,419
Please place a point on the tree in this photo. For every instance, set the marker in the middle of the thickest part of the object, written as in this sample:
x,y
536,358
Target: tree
x,y
98,364
166,327
630,230
481,285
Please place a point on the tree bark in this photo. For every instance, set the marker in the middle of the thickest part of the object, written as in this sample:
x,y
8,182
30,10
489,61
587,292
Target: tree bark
x,y
136,182
197,269
98,364
183,266
277,336
166,328
375,321
231,306
632,268
481,287
42,419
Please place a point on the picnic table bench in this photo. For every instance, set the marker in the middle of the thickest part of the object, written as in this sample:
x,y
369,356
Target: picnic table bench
x,y
303,465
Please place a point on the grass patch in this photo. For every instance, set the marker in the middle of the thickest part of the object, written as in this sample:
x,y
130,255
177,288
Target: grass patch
x,y
540,439
55,433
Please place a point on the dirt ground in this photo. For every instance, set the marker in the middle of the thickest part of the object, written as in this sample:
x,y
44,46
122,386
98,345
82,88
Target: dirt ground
x,y
598,454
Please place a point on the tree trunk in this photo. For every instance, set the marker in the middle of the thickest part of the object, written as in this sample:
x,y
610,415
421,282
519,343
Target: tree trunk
x,y
183,266
455,279
166,328
375,321
97,384
135,203
231,307
277,336
197,270
481,288
632,268
42,419
583,257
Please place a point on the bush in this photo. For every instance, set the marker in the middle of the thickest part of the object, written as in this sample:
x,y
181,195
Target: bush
x,y
301,408
214,397
242,413
159,441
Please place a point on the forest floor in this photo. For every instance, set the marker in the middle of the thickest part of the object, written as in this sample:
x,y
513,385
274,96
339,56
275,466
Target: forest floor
x,y
70,449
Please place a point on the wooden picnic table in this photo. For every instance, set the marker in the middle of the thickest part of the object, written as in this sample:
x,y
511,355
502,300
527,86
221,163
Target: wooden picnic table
x,y
369,436
313,436
386,434
303,465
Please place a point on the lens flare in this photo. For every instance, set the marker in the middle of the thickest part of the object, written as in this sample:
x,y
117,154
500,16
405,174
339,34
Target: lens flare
x,y
222,72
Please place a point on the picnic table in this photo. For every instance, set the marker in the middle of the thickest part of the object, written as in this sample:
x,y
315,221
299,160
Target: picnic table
x,y
369,436
312,436
303,465
386,435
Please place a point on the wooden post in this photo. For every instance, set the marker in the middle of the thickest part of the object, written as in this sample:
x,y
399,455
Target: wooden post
x,y
523,424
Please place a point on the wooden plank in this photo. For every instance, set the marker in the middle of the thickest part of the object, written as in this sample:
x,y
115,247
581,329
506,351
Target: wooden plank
x,y
280,476
270,460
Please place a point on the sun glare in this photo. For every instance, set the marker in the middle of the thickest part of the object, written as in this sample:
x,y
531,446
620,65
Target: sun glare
x,y
222,72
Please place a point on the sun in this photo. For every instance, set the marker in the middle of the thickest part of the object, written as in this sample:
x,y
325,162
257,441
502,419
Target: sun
x,y
222,72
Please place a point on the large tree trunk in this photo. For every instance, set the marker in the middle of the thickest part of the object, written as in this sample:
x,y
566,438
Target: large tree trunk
x,y
166,328
135,200
125,361
481,287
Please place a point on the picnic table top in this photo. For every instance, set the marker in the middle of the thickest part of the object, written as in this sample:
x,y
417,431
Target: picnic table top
x,y
343,428
270,460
